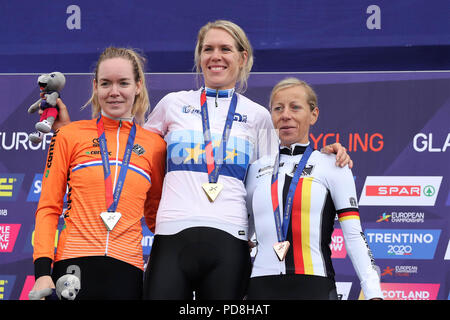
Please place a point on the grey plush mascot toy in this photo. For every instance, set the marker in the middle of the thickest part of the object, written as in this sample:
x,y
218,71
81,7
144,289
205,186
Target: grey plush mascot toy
x,y
50,84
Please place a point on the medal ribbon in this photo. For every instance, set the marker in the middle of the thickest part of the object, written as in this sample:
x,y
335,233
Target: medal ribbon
x,y
282,229
112,199
212,166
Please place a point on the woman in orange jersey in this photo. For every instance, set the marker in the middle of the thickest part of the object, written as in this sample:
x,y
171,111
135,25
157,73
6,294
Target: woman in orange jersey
x,y
114,170
293,199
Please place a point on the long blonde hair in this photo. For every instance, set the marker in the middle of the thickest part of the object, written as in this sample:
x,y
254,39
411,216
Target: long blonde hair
x,y
242,44
141,103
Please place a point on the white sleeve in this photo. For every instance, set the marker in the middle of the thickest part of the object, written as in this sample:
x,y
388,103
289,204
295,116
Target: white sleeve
x,y
361,257
343,193
250,186
268,142
156,121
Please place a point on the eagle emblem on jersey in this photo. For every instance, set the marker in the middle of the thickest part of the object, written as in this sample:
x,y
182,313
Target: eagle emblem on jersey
x,y
307,171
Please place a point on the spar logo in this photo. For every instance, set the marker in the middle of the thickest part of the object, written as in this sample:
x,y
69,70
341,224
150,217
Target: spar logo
x,y
337,245
8,236
403,243
400,191
10,184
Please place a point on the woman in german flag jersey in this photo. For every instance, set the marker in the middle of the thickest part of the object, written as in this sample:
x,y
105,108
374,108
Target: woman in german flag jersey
x,y
293,199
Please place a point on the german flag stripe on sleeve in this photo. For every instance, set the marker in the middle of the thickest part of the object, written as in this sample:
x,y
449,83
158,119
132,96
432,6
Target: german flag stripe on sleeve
x,y
347,214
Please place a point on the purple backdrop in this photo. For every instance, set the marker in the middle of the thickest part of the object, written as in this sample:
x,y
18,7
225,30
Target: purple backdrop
x,y
394,125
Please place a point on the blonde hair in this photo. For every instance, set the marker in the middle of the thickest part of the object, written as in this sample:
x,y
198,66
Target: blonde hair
x,y
141,102
242,44
311,96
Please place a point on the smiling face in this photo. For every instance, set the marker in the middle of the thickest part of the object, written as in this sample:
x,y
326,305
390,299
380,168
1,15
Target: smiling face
x,y
116,87
292,115
220,60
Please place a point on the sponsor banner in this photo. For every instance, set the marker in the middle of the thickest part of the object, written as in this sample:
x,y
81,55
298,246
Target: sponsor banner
x,y
6,286
8,236
400,191
399,271
10,184
28,285
337,245
403,243
410,291
35,189
402,217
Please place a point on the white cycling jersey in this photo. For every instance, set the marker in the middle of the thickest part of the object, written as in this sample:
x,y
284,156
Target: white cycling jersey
x,y
325,190
184,204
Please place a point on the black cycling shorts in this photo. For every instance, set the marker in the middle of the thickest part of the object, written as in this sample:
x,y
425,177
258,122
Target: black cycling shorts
x,y
209,261
102,278
291,287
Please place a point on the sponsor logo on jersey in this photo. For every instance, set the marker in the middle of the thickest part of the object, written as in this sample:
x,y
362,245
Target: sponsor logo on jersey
x,y
50,154
240,117
10,184
8,236
403,243
138,149
189,109
400,191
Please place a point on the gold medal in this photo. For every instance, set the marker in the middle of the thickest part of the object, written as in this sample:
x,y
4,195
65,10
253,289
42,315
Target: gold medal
x,y
212,190
281,249
110,219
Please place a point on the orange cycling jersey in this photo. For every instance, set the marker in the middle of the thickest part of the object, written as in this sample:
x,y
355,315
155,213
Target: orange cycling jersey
x,y
74,163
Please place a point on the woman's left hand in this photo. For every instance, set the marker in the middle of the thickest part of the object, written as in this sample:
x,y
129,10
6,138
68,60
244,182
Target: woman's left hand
x,y
342,157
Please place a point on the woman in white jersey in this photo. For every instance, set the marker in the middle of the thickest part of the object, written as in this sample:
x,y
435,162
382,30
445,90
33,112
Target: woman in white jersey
x,y
212,135
293,198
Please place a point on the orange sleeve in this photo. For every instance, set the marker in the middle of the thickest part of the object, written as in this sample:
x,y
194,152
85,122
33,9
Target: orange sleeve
x,y
158,162
51,201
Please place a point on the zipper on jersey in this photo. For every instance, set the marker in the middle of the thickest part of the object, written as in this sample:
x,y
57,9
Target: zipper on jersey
x,y
115,177
217,96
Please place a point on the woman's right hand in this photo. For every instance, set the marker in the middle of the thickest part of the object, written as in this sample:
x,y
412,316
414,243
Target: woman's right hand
x,y
63,115
42,288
